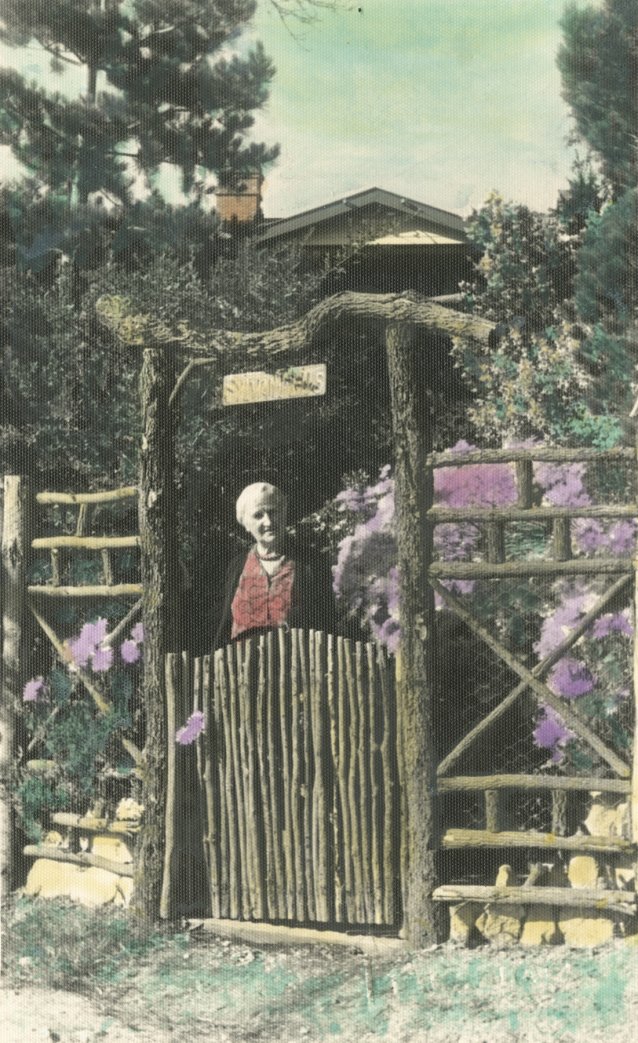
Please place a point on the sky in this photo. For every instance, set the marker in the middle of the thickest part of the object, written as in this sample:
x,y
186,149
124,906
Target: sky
x,y
439,100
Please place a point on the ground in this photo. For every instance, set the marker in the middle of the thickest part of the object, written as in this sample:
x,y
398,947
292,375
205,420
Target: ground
x,y
174,988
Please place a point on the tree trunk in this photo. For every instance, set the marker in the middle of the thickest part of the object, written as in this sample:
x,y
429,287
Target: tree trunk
x,y
158,534
411,424
13,587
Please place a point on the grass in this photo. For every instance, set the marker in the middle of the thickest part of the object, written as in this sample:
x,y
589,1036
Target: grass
x,y
198,986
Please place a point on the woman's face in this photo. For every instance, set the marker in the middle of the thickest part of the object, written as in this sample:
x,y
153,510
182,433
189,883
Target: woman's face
x,y
265,520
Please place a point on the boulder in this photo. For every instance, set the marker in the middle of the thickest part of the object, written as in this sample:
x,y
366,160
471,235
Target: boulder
x,y
50,879
93,887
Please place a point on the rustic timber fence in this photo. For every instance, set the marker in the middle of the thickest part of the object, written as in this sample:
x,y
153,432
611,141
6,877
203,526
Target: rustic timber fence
x,y
616,773
294,780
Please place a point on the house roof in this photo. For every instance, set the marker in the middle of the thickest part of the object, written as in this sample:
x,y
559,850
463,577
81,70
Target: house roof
x,y
431,225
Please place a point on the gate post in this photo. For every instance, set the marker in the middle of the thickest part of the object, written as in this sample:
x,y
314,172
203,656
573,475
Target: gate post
x,y
412,438
158,539
13,601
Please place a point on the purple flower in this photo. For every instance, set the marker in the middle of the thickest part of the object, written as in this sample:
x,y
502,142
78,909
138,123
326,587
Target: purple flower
x,y
610,623
102,660
137,633
86,646
575,601
130,651
589,534
95,632
622,537
475,485
81,648
563,484
551,734
571,679
193,727
35,691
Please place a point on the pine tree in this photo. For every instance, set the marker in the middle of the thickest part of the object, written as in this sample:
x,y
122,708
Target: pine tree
x,y
160,88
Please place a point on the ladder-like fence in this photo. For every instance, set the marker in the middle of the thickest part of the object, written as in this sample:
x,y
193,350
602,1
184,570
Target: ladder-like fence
x,y
615,773
295,779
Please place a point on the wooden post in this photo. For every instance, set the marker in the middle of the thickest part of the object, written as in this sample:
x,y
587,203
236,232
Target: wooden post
x,y
417,759
634,769
158,536
13,588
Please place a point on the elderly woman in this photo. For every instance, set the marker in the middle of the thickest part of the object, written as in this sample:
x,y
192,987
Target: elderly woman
x,y
273,584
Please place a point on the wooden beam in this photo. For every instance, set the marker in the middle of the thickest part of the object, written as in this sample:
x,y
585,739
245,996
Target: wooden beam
x,y
465,783
108,496
158,531
85,542
411,426
455,839
273,934
95,590
574,897
14,549
511,569
438,515
542,454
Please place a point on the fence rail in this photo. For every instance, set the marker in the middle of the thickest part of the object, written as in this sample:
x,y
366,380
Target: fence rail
x,y
297,778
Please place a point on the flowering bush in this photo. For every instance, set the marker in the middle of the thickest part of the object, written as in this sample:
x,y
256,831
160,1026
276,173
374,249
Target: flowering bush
x,y
65,726
595,672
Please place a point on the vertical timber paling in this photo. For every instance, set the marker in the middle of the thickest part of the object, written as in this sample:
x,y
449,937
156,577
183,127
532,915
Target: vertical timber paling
x,y
412,443
634,771
12,592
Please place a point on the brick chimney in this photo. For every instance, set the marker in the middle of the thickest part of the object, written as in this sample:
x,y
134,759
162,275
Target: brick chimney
x,y
242,202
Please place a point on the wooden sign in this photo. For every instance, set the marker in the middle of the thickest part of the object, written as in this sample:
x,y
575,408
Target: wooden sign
x,y
294,382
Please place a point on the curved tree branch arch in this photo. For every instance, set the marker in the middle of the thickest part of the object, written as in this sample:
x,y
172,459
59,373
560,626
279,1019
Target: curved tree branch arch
x,y
400,315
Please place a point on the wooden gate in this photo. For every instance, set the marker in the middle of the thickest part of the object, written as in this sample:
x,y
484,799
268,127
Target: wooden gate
x,y
295,779
613,774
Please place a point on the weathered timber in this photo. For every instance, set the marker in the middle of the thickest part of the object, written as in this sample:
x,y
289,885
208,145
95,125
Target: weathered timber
x,y
206,741
70,820
14,545
299,336
334,812
157,508
264,785
85,542
542,454
296,779
308,776
238,780
89,590
541,691
562,539
492,811
343,711
253,808
495,541
559,811
232,810
55,568
634,765
364,784
412,444
454,839
462,783
123,624
510,569
320,808
438,515
616,901
375,854
603,604
170,802
260,934
79,858
524,483
389,831
108,496
287,838
82,519
358,904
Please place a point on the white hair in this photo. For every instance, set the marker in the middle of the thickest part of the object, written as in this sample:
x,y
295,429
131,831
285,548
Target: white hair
x,y
258,489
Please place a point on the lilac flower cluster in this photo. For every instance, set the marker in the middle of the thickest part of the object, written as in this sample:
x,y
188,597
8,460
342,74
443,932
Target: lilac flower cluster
x,y
191,730
88,650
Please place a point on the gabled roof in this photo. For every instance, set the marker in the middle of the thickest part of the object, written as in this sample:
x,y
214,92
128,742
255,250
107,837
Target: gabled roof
x,y
448,225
